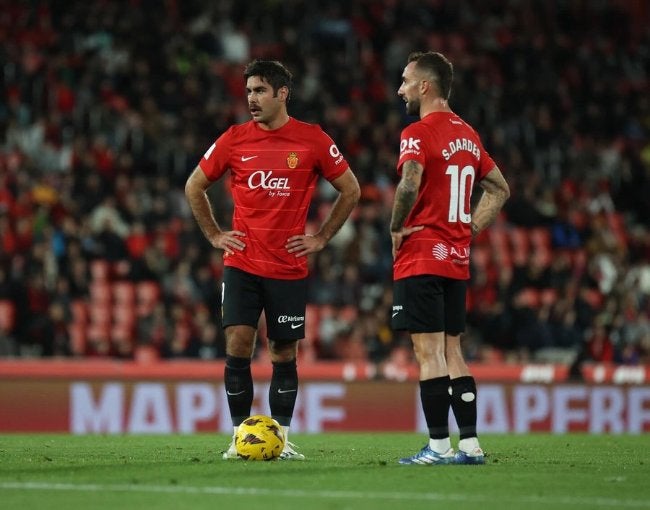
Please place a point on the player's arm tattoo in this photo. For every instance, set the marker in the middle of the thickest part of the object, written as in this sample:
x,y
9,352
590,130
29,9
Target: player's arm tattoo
x,y
406,193
495,193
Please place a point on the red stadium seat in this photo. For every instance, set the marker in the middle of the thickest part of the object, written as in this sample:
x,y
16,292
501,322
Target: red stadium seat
x,y
124,293
100,314
528,298
100,293
548,296
148,296
100,270
121,332
540,240
480,256
79,309
593,297
7,315
78,336
124,314
520,245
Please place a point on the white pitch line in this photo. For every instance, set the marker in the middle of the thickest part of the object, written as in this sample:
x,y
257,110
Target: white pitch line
x,y
297,493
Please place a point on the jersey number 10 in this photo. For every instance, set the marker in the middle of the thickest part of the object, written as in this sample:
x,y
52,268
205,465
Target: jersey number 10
x,y
460,192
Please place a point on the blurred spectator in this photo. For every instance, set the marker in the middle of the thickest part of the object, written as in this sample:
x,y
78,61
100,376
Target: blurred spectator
x,y
103,114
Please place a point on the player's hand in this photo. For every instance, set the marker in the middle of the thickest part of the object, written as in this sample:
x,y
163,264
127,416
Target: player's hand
x,y
399,236
229,241
304,244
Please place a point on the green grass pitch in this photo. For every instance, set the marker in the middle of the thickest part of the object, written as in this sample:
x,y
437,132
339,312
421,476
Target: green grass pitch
x,y
342,471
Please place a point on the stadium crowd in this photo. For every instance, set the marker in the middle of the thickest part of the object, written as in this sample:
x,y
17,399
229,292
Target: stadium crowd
x,y
107,107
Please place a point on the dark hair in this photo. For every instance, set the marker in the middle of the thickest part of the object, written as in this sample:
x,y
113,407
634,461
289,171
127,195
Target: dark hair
x,y
274,72
438,65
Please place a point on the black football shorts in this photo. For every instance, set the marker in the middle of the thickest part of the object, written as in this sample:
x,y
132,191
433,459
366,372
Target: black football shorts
x,y
429,304
245,295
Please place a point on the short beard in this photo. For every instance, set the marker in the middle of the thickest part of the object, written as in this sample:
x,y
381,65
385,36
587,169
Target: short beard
x,y
413,107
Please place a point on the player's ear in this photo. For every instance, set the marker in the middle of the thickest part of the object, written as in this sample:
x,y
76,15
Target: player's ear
x,y
283,93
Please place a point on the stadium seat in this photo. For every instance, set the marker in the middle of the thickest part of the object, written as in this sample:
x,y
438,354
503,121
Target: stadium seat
x,y
100,270
311,322
124,293
593,297
480,257
79,309
148,295
520,245
98,332
122,332
146,354
78,337
540,241
616,223
124,314
100,293
100,314
528,298
500,247
548,296
348,314
7,315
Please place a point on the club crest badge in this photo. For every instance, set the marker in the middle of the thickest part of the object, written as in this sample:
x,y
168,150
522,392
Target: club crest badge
x,y
292,160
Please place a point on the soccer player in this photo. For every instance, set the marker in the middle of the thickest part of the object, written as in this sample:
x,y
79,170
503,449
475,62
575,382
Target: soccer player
x,y
441,157
275,162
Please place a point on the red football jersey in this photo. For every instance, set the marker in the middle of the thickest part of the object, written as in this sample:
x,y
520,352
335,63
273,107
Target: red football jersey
x,y
453,158
273,177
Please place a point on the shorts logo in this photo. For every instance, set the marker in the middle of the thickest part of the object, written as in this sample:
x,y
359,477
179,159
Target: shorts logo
x,y
295,321
440,251
292,160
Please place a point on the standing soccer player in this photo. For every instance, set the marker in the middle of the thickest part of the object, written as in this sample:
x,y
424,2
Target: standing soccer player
x,y
441,157
275,162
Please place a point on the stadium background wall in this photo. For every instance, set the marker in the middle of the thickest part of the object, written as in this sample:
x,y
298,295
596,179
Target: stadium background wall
x,y
104,397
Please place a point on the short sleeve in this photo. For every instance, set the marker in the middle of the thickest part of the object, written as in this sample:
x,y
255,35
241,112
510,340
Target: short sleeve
x,y
331,162
214,162
486,164
411,146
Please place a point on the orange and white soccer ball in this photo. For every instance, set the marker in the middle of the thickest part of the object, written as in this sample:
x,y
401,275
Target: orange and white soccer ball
x,y
259,437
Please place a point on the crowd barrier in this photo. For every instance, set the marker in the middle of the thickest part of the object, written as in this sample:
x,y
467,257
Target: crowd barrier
x,y
117,397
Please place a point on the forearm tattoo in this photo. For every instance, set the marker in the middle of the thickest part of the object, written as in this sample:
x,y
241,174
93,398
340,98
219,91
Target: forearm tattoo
x,y
406,194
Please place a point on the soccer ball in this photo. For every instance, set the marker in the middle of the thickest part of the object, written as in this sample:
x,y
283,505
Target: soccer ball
x,y
259,437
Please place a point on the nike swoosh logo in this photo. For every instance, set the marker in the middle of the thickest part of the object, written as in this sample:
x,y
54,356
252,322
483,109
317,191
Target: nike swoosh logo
x,y
233,394
247,158
395,314
296,326
285,391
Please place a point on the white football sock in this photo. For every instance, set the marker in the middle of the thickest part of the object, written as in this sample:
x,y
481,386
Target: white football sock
x,y
440,445
468,445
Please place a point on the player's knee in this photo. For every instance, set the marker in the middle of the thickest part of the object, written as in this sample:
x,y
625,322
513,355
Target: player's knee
x,y
283,352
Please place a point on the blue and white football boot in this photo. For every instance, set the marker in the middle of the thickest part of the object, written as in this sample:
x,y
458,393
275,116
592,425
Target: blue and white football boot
x,y
426,456
475,456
